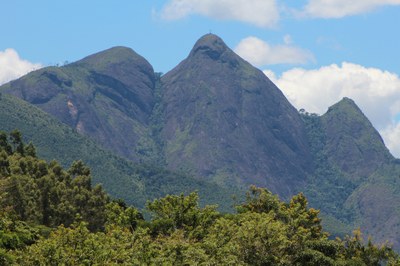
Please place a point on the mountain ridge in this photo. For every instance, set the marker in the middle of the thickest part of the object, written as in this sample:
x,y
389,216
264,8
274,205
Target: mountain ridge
x,y
99,97
219,119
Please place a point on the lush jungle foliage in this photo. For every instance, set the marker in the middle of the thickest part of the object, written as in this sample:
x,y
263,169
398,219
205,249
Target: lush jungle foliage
x,y
53,216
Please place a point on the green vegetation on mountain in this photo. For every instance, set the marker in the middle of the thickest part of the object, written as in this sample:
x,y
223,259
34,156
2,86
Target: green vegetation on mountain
x,y
213,118
327,189
135,183
107,96
226,121
355,181
53,216
43,193
354,146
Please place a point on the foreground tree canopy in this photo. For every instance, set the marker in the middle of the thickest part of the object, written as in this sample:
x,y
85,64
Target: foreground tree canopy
x,y
53,216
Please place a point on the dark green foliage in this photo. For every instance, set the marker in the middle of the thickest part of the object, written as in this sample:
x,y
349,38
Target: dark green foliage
x,y
14,233
328,188
117,213
160,181
259,200
150,145
181,213
91,229
42,193
16,141
286,234
30,150
4,145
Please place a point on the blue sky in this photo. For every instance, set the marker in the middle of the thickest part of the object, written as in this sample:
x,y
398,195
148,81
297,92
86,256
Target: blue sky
x,y
49,31
316,51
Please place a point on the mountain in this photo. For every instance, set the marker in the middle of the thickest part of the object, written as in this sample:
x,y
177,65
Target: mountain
x,y
134,183
226,121
213,123
353,144
355,147
356,179
214,116
108,96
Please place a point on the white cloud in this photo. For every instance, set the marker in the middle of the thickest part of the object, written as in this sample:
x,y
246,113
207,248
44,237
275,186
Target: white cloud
x,y
342,8
12,66
262,13
391,135
375,91
259,52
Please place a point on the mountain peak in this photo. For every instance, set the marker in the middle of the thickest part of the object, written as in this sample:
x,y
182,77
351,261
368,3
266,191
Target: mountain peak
x,y
112,55
347,101
232,120
209,39
353,144
348,107
210,45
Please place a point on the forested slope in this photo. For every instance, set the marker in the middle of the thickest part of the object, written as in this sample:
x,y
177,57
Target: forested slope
x,y
215,124
123,179
356,179
53,216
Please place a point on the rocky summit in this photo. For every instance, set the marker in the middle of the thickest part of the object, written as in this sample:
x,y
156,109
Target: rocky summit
x,y
225,120
353,144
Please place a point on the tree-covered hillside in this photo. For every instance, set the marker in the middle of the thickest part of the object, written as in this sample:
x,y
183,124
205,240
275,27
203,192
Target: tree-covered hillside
x,y
123,179
53,216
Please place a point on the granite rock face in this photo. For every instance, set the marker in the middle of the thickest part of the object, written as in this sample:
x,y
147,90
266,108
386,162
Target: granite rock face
x,y
225,120
107,96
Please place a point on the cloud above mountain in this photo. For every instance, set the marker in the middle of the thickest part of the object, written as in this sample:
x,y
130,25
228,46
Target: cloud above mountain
x,y
262,13
260,53
12,66
342,8
267,13
375,91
